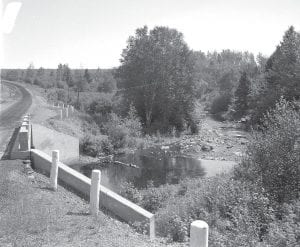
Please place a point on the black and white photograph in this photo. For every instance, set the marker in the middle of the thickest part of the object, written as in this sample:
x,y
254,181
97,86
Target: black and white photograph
x,y
138,123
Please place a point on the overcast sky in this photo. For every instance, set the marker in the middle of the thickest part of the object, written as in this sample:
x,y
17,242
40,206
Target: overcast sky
x,y
92,33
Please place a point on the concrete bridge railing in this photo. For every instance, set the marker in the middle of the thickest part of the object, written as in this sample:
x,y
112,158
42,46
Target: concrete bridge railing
x,y
121,207
115,203
22,145
199,229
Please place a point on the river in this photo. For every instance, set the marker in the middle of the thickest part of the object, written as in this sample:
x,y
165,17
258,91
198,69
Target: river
x,y
157,165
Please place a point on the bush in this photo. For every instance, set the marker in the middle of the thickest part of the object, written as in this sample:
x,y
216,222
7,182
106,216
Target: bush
x,y
151,198
122,132
95,145
118,136
132,123
273,161
102,105
194,119
236,214
130,192
285,232
194,127
62,85
261,104
88,125
39,83
155,197
178,229
57,95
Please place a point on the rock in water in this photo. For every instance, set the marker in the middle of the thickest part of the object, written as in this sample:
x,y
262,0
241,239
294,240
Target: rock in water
x,y
206,148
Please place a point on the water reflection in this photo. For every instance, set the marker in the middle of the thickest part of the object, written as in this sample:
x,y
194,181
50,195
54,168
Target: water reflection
x,y
154,165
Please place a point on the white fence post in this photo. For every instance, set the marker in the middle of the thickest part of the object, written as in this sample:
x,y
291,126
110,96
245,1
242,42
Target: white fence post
x,y
94,192
199,234
67,112
60,114
54,169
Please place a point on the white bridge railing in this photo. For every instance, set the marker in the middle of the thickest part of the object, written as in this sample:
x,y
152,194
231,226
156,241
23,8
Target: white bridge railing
x,y
198,230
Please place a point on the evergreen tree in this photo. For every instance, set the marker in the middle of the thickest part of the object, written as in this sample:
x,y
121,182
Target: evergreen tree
x,y
282,69
281,77
242,95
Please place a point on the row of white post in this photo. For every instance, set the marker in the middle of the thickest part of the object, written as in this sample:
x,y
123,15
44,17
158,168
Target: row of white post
x,y
199,228
95,183
65,111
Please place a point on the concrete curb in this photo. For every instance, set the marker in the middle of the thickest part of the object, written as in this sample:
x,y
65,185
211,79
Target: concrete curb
x,y
115,203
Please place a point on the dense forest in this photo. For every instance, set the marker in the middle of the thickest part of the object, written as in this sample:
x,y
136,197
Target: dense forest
x,y
157,89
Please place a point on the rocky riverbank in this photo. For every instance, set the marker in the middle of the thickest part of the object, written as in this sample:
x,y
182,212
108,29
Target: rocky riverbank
x,y
215,141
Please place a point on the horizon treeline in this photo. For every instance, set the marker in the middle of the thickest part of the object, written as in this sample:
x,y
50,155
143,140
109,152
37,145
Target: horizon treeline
x,y
162,78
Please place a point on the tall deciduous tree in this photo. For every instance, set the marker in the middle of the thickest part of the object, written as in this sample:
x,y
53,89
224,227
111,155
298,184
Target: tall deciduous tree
x,y
157,74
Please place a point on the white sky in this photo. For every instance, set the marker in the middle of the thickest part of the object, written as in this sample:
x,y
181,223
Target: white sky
x,y
92,33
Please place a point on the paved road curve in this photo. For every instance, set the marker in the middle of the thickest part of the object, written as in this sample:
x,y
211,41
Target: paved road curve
x,y
13,113
10,117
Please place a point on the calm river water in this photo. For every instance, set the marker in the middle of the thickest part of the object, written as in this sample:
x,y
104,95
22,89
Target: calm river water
x,y
156,165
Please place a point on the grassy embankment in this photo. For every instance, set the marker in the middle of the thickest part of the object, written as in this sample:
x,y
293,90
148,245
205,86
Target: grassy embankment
x,y
33,215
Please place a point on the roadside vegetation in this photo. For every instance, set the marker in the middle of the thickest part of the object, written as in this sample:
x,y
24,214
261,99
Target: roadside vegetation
x,y
255,205
153,94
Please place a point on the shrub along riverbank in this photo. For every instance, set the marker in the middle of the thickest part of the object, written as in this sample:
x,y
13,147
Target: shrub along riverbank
x,y
256,205
106,128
